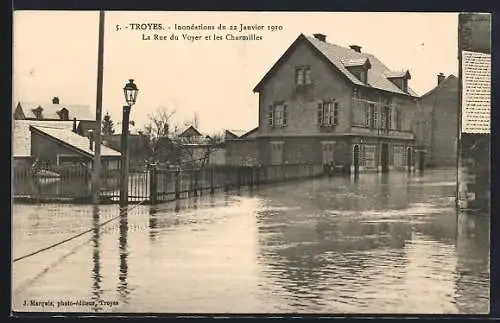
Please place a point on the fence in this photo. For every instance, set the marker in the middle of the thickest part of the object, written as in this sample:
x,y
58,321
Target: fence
x,y
153,185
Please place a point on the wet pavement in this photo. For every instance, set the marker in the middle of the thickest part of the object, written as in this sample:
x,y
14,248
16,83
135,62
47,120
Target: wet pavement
x,y
381,244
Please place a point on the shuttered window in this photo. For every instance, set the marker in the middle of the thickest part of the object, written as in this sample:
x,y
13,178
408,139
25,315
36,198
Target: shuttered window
x,y
328,113
278,114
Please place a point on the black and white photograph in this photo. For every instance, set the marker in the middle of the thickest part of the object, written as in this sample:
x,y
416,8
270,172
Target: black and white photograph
x,y
218,162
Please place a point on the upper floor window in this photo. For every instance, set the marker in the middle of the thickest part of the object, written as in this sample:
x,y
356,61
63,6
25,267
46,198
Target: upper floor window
x,y
328,113
386,118
399,119
371,115
278,114
303,75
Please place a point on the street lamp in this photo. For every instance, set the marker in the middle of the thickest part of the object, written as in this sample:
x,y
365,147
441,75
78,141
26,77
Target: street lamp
x,y
130,91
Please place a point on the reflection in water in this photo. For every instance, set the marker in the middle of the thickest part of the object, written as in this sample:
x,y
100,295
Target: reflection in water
x,y
334,245
472,239
153,223
122,276
96,270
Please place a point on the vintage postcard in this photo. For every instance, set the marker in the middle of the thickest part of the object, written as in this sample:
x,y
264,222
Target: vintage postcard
x,y
251,162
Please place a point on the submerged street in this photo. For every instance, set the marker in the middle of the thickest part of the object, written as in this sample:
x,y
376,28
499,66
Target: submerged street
x,y
380,244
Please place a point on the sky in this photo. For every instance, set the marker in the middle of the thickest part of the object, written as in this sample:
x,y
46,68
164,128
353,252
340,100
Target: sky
x,y
55,54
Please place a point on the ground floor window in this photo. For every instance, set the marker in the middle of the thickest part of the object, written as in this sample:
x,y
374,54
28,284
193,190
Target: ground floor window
x,y
399,155
368,156
71,160
327,148
276,153
113,164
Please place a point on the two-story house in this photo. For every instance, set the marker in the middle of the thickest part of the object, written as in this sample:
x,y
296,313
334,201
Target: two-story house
x,y
325,104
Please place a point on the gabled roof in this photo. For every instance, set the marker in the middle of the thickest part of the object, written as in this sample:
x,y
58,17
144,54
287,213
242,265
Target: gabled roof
x,y
235,133
250,133
50,110
73,141
21,135
190,131
450,78
398,74
337,56
476,92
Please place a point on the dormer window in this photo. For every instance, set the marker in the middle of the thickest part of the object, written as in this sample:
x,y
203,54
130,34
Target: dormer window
x,y
400,79
303,75
38,113
359,68
63,114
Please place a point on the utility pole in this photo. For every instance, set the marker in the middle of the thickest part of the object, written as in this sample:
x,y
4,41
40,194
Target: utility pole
x,y
96,174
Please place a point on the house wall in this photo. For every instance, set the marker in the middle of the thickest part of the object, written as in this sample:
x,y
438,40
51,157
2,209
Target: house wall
x,y
444,131
242,151
437,125
138,149
305,149
47,150
302,102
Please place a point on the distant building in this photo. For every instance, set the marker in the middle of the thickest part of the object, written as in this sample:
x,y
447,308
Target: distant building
x,y
197,149
242,148
325,104
474,169
56,146
436,124
52,111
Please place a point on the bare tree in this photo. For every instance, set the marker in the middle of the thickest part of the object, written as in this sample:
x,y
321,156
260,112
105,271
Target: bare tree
x,y
157,130
195,151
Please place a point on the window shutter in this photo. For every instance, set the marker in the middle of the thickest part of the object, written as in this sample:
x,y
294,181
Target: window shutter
x,y
271,115
335,113
285,115
320,113
389,110
367,115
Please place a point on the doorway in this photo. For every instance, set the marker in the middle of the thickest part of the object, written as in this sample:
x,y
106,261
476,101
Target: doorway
x,y
409,158
385,158
355,158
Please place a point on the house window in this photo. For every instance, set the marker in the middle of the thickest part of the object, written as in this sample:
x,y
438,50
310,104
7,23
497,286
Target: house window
x,y
399,119
113,164
303,75
278,114
328,151
276,153
328,113
362,76
371,115
385,118
399,155
369,155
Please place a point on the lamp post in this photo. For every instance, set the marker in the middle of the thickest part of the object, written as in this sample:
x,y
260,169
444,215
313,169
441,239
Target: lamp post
x,y
130,90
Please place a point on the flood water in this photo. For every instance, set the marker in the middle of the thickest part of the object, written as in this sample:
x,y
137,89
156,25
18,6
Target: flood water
x,y
381,244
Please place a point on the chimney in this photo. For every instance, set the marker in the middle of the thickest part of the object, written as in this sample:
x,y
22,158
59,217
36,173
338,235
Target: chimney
x,y
91,139
441,78
55,100
320,37
74,125
355,48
